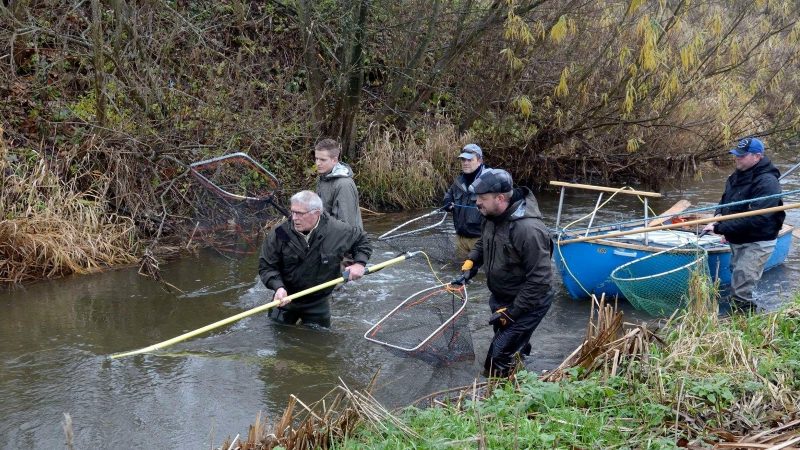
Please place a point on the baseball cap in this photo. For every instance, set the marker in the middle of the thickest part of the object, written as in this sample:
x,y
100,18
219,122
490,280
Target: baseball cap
x,y
748,145
496,181
470,151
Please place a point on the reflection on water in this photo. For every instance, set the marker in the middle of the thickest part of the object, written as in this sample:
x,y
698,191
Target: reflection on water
x,y
54,337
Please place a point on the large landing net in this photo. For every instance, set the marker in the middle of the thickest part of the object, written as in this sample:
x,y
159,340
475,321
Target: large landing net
x,y
430,325
235,203
430,233
659,283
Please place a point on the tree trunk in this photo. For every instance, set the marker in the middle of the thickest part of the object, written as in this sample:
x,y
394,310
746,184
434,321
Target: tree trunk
x,y
352,98
97,60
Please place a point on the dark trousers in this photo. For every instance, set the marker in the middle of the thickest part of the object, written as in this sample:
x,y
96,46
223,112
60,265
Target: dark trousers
x,y
513,339
317,313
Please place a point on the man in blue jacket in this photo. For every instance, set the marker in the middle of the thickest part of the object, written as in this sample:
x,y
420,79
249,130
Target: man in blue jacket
x,y
752,239
461,202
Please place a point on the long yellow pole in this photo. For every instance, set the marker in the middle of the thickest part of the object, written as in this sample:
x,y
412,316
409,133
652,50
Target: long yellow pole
x,y
372,269
683,224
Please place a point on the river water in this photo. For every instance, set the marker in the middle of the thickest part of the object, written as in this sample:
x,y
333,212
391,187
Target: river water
x,y
55,337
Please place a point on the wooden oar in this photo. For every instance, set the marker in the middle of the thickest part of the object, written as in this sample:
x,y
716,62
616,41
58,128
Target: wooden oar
x,y
684,224
675,209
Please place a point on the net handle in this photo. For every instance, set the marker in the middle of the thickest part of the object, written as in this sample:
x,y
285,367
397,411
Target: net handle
x,y
424,216
195,168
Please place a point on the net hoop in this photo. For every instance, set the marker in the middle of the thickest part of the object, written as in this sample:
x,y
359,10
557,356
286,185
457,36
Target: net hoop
x,y
460,292
616,276
388,235
233,157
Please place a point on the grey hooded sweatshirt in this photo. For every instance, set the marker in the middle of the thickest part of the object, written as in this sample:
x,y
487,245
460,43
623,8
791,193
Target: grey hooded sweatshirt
x,y
339,195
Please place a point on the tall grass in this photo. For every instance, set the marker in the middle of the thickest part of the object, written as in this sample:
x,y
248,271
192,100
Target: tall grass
x,y
50,228
402,170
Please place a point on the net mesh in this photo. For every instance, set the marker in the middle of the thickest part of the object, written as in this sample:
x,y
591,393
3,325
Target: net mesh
x,y
234,204
431,233
430,325
659,283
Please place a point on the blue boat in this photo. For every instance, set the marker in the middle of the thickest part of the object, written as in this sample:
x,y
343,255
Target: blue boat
x,y
586,267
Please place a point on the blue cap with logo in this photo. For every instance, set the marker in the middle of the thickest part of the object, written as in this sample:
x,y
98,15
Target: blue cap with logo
x,y
748,145
495,181
471,151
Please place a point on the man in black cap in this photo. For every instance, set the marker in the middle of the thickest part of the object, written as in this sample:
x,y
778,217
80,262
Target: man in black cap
x,y
461,202
515,248
752,239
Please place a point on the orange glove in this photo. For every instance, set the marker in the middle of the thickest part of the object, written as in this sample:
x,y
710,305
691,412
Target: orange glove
x,y
467,265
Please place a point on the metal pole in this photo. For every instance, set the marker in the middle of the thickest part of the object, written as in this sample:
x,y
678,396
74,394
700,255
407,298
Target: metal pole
x,y
591,219
560,204
646,239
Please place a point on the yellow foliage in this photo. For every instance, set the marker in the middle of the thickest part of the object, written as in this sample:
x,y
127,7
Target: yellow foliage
x,y
736,51
513,61
540,29
633,6
775,82
633,144
562,90
716,24
523,105
796,122
648,56
624,54
559,30
794,35
671,85
517,30
726,132
630,97
690,52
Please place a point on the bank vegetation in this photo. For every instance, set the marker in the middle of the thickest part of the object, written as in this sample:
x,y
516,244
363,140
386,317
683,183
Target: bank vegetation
x,y
107,102
696,381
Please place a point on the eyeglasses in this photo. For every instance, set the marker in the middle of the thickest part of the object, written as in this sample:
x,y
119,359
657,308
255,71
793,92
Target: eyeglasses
x,y
302,213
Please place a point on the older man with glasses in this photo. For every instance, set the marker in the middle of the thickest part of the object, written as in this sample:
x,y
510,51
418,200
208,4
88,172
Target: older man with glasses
x,y
752,239
305,252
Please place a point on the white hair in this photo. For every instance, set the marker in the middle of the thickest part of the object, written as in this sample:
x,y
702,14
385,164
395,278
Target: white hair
x,y
309,199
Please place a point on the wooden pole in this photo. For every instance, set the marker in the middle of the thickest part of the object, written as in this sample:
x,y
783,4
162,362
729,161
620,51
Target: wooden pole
x,y
343,279
606,189
683,224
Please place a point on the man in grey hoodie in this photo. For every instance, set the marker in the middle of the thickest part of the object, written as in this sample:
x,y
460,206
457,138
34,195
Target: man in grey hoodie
x,y
335,184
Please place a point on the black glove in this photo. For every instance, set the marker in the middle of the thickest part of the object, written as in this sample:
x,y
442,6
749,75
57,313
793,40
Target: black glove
x,y
501,318
461,280
448,207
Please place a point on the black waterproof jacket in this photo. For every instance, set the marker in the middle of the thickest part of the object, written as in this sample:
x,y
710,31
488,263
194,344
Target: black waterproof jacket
x,y
515,250
758,181
288,261
466,217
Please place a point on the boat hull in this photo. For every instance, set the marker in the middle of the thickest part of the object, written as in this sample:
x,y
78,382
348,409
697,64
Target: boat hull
x,y
586,267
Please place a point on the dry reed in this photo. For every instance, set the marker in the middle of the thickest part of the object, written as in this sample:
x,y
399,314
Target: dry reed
x,y
320,425
398,170
50,228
